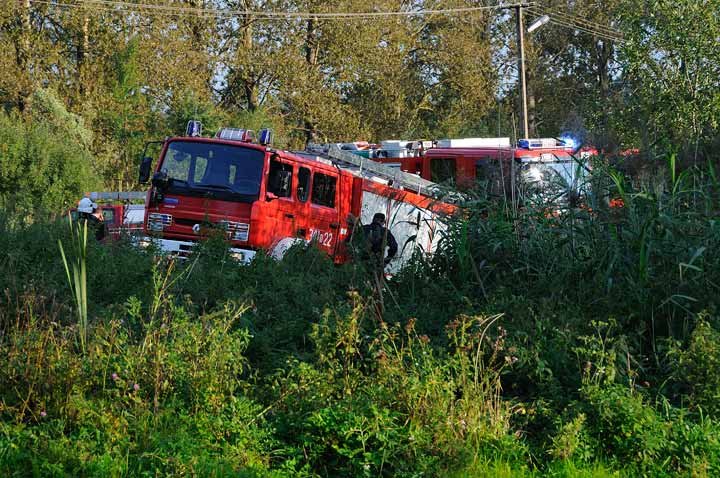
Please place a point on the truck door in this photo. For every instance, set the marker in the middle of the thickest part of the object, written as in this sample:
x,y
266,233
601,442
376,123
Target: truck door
x,y
283,210
324,218
492,177
302,197
443,169
112,217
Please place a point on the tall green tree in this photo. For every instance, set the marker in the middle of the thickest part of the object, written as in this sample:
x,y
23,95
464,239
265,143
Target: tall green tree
x,y
672,61
45,160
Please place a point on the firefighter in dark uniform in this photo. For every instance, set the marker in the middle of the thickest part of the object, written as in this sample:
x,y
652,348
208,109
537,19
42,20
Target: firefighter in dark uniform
x,y
88,211
378,238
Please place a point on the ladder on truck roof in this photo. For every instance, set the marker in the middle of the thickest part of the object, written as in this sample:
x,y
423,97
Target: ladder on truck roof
x,y
117,196
364,166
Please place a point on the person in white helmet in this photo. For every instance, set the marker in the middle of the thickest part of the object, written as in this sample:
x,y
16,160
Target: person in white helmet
x,y
89,211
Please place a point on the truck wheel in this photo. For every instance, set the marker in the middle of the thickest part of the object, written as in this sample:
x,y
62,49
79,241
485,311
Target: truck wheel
x,y
278,250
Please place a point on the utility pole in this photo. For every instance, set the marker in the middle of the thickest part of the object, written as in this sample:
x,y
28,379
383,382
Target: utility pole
x,y
521,68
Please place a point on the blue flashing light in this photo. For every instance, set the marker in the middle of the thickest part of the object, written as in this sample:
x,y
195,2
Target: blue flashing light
x,y
570,143
524,143
194,128
265,136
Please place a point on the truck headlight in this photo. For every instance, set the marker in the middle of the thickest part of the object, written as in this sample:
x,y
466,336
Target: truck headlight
x,y
157,222
236,231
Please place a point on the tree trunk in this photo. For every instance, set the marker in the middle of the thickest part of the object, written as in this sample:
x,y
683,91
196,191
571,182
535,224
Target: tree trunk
x,y
83,46
532,119
249,83
22,56
311,58
251,94
311,44
603,55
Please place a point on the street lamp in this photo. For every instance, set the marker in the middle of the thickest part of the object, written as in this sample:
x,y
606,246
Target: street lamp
x,y
521,67
538,23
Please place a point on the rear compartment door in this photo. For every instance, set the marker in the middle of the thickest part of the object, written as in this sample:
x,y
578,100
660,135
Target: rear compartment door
x,y
324,216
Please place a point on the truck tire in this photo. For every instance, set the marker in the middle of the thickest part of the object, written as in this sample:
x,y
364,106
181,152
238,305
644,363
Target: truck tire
x,y
281,247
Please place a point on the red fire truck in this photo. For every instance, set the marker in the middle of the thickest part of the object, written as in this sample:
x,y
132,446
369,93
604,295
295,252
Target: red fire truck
x,y
259,197
120,216
546,167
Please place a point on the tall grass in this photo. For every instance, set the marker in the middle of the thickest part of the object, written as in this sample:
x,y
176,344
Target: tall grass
x,y
77,280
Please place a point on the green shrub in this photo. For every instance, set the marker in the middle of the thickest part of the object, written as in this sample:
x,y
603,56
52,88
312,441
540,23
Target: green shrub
x,y
570,345
624,426
381,401
168,398
699,369
692,446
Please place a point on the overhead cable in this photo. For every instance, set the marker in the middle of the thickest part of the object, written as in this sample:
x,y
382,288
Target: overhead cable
x,y
582,21
605,33
611,35
582,29
112,5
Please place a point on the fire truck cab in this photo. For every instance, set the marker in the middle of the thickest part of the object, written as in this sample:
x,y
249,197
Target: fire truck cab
x,y
258,197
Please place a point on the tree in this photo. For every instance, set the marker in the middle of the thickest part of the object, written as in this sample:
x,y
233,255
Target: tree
x,y
45,161
672,62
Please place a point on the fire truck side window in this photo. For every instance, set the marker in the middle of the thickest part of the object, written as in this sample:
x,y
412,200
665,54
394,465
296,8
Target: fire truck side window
x,y
323,190
280,181
442,169
303,186
492,175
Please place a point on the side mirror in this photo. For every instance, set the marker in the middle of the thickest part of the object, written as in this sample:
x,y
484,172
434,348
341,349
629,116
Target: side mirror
x,y
270,196
145,170
161,181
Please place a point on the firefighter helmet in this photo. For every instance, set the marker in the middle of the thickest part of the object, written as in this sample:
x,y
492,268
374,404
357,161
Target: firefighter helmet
x,y
86,205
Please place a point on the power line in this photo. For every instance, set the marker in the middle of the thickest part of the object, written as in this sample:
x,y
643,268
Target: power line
x,y
584,26
112,6
608,34
112,10
580,28
115,5
588,24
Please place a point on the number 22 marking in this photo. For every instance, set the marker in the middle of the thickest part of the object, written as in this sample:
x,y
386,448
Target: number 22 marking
x,y
323,238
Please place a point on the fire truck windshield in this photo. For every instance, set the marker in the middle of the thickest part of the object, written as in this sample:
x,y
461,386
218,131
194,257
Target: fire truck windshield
x,y
553,177
221,171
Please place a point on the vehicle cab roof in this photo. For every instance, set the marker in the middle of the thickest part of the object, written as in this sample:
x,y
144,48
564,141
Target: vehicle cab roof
x,y
310,160
483,152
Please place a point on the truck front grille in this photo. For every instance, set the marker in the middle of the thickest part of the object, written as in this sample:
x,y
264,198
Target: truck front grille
x,y
236,231
158,222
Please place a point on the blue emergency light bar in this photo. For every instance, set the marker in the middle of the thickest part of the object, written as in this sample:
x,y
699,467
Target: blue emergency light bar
x,y
540,143
571,143
194,128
